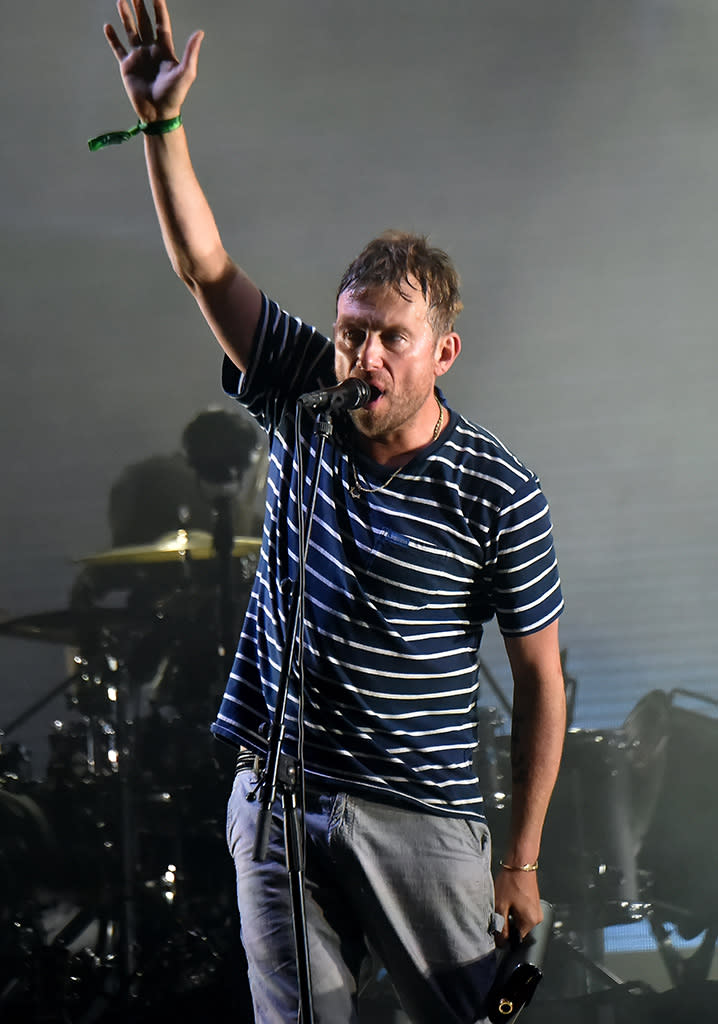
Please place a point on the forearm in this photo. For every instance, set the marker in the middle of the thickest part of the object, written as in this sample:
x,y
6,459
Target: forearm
x,y
189,230
538,726
537,735
228,299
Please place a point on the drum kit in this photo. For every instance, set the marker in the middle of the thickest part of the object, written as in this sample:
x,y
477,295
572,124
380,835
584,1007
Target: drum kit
x,y
116,891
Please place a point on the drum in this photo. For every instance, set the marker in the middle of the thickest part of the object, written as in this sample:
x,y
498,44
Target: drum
x,y
26,842
81,750
30,875
674,765
588,864
15,763
183,777
82,799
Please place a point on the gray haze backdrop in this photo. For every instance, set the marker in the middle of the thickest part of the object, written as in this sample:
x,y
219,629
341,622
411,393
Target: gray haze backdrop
x,y
563,151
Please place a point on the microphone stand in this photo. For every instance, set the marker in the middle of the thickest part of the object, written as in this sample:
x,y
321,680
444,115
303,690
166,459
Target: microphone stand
x,y
281,771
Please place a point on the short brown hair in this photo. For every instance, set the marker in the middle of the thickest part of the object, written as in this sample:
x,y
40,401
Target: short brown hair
x,y
393,259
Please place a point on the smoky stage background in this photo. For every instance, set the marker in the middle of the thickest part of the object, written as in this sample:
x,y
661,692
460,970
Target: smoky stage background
x,y
564,153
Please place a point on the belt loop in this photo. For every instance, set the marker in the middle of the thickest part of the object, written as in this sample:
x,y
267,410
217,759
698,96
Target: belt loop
x,y
247,760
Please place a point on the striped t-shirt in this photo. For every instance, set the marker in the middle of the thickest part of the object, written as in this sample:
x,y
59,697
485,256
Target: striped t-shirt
x,y
399,584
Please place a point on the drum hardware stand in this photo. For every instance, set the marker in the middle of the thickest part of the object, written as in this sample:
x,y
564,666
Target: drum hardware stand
x,y
223,535
279,770
117,920
601,997
216,445
624,848
692,695
683,970
572,945
590,937
39,704
126,772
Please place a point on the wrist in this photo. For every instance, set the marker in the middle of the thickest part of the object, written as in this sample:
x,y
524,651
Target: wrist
x,y
160,126
156,127
527,867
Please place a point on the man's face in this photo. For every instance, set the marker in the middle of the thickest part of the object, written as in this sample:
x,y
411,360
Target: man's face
x,y
387,340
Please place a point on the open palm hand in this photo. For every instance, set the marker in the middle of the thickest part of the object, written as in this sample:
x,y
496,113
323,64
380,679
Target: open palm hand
x,y
155,80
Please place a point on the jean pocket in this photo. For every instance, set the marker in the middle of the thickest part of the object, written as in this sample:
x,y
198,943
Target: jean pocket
x,y
244,782
482,836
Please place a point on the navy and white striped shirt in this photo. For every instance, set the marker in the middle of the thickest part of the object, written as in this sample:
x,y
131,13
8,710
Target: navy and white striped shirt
x,y
399,584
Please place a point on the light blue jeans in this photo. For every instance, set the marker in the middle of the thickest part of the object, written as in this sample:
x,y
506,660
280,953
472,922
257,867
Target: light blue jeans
x,y
415,889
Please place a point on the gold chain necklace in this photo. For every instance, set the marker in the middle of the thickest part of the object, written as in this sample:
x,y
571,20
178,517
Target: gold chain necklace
x,y
356,489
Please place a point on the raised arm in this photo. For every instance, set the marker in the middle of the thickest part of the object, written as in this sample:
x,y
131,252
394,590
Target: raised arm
x,y
157,83
537,734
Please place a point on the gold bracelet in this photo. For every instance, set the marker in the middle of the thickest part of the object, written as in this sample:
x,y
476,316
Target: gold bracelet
x,y
519,867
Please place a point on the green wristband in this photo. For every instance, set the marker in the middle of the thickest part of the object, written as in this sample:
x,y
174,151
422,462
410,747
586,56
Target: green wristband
x,y
146,127
160,127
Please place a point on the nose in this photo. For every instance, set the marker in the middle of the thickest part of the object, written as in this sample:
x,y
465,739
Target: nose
x,y
370,355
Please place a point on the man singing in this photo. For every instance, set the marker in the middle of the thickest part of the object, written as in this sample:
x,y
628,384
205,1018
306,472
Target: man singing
x,y
425,528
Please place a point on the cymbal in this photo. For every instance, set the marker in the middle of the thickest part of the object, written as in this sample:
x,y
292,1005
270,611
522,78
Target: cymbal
x,y
172,547
68,626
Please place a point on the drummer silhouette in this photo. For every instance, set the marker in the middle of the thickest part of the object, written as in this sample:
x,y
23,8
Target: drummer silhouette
x,y
163,497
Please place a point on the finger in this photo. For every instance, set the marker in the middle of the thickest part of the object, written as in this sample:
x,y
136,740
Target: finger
x,y
112,38
144,23
190,57
164,25
128,23
524,924
500,926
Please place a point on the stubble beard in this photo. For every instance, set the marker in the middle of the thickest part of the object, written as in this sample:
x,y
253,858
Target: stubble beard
x,y
378,424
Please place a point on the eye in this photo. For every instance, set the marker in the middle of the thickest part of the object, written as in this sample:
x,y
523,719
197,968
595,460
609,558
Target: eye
x,y
352,337
392,337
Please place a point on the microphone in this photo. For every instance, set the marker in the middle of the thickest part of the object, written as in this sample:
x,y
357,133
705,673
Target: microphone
x,y
352,393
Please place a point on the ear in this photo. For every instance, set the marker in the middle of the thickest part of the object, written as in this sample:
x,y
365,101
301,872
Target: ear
x,y
447,349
